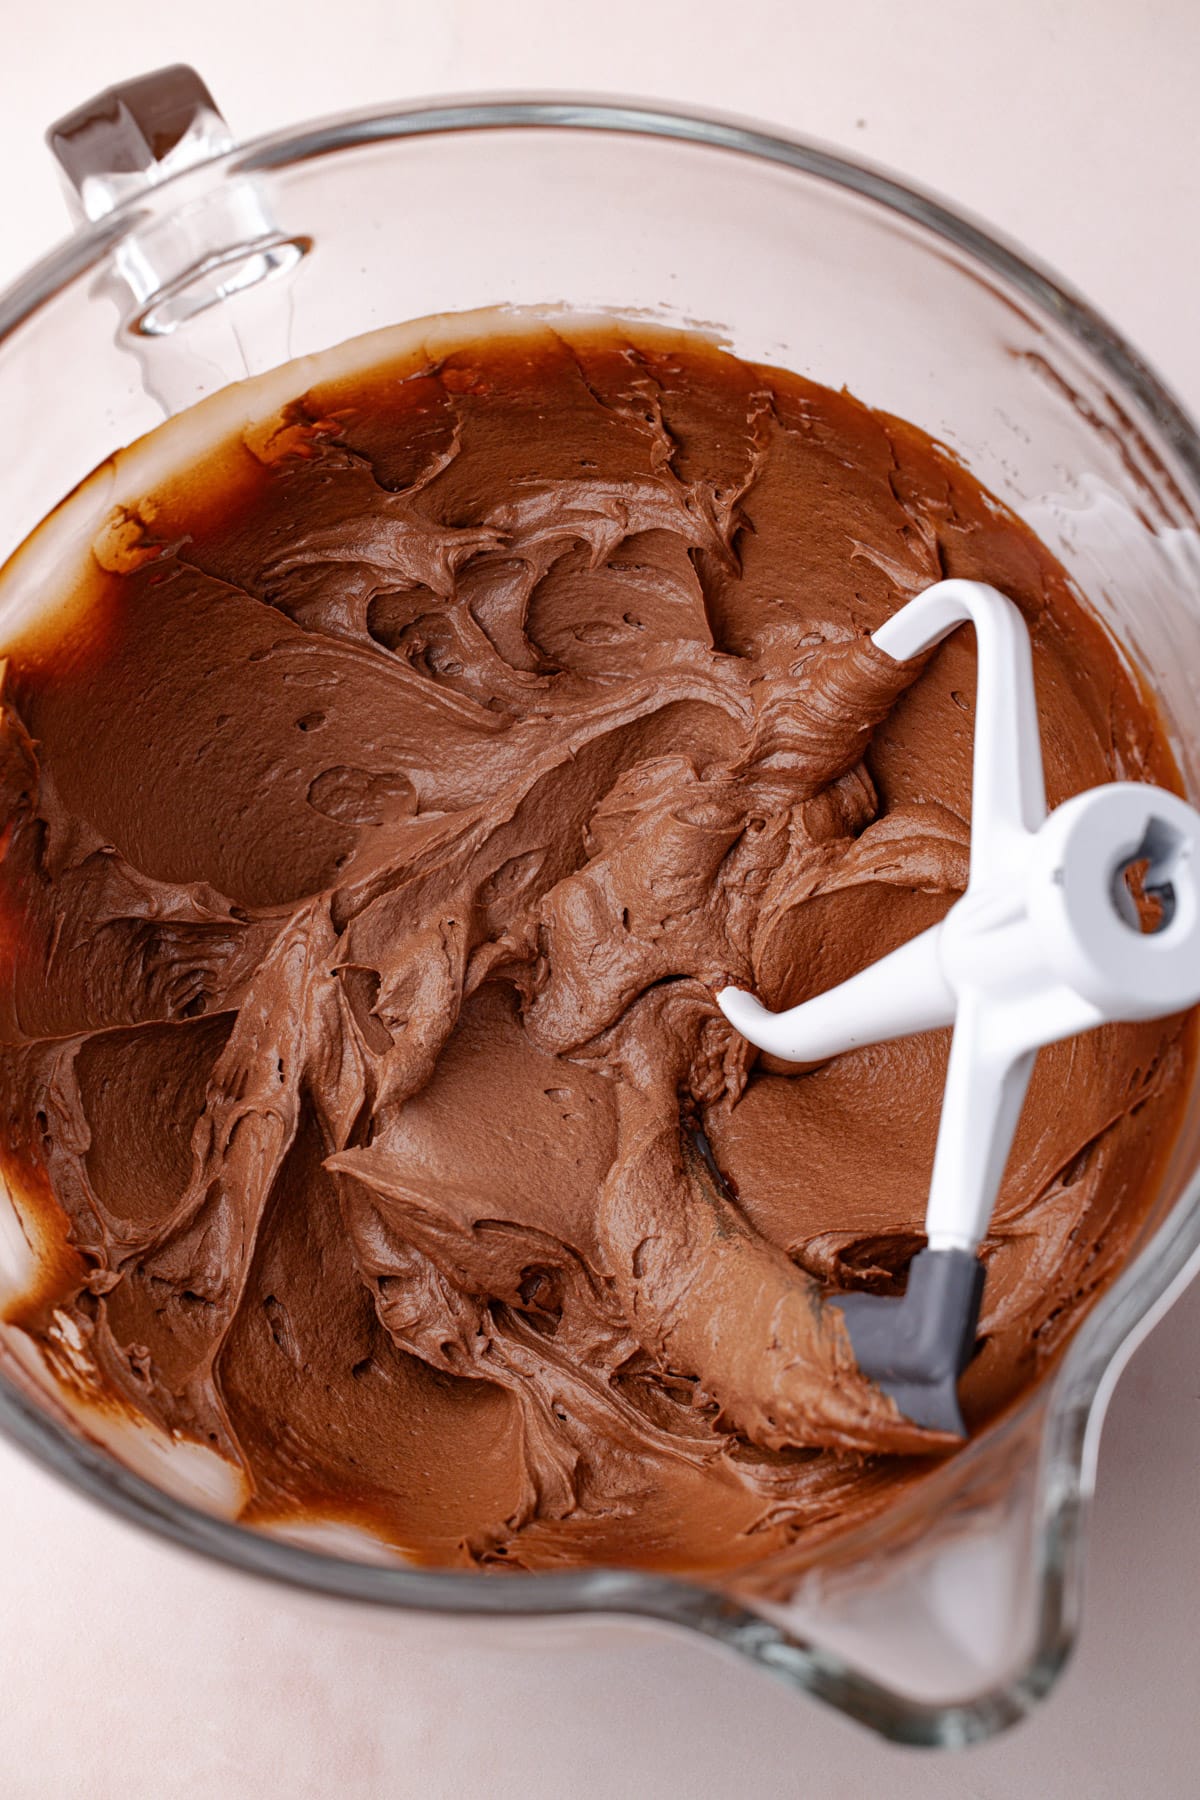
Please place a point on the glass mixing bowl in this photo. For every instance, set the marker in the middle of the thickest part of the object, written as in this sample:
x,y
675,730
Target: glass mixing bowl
x,y
199,262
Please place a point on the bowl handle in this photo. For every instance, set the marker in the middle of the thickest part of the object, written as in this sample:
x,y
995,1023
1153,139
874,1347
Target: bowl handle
x,y
134,135
191,272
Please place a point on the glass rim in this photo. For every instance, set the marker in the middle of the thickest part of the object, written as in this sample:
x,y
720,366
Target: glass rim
x,y
1074,1395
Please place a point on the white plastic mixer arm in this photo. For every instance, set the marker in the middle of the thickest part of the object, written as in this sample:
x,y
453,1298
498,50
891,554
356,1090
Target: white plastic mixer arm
x,y
1045,942
1008,799
903,992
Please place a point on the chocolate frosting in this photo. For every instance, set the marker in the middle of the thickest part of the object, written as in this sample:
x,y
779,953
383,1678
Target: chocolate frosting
x,y
414,771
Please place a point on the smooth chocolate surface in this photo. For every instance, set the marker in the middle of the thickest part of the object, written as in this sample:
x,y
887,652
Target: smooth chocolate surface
x,y
413,772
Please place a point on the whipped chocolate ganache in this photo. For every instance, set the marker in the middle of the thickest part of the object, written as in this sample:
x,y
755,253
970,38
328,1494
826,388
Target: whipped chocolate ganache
x,y
381,815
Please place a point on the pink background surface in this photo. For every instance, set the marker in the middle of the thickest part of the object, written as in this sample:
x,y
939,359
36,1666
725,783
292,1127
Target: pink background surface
x,y
128,1669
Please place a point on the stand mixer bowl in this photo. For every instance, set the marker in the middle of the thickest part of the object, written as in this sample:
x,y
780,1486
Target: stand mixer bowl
x,y
201,263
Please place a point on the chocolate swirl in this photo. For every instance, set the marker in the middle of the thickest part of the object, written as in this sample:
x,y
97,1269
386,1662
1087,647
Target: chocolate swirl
x,y
376,841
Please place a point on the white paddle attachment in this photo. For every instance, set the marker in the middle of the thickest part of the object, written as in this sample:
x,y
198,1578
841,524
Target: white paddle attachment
x,y
1048,940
